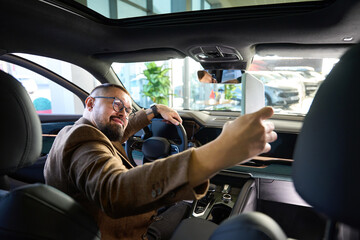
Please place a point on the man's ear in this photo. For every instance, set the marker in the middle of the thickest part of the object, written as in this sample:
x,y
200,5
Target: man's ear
x,y
89,103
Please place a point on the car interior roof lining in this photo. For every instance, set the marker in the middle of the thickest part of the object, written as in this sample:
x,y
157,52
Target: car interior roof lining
x,y
303,50
134,46
143,55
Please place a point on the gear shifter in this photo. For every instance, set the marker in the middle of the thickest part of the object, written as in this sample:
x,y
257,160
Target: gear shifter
x,y
203,204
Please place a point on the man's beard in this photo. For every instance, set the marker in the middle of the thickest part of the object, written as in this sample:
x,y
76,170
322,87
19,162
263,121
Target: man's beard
x,y
113,132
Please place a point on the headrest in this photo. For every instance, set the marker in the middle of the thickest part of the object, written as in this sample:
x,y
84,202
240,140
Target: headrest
x,y
20,127
249,225
39,211
326,169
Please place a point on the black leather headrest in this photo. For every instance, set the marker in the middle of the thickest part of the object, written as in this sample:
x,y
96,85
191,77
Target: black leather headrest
x,y
326,170
250,225
20,127
40,211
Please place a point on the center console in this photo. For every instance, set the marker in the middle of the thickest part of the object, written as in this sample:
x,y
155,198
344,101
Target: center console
x,y
228,194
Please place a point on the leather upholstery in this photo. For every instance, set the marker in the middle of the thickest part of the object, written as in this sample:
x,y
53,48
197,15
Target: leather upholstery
x,y
19,126
251,225
326,169
33,211
41,212
194,228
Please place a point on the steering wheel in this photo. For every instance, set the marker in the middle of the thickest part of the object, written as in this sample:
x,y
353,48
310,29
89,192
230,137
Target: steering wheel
x,y
162,140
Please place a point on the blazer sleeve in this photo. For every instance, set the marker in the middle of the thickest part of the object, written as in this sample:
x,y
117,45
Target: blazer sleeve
x,y
99,174
136,123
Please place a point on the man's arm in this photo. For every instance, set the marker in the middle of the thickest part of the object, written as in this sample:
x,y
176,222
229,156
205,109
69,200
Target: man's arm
x,y
136,123
166,113
240,140
143,117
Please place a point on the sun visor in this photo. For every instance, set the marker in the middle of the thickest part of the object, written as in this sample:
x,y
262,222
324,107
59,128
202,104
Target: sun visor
x,y
142,55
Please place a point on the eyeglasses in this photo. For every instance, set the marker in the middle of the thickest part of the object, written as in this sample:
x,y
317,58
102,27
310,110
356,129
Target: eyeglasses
x,y
118,105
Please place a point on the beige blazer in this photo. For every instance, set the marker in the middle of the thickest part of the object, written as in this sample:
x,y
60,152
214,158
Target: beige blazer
x,y
86,165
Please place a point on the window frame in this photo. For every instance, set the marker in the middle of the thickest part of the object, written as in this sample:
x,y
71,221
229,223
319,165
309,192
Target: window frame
x,y
52,76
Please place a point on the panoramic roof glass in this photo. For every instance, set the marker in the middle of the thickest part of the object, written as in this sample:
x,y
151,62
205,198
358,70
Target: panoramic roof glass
x,y
120,9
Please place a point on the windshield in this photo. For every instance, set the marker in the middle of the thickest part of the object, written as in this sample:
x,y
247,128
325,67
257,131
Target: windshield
x,y
290,84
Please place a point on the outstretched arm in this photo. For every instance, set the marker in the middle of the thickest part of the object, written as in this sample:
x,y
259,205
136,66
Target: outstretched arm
x,y
240,140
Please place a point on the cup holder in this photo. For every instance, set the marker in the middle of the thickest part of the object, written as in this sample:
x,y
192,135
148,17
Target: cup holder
x,y
219,213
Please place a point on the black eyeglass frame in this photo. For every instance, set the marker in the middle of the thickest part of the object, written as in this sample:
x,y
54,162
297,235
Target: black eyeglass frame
x,y
129,112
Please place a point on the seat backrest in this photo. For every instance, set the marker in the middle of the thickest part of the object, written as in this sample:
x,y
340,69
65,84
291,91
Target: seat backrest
x,y
20,127
33,211
38,211
326,169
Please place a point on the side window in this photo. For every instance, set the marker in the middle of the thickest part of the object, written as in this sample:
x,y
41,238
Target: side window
x,y
47,96
71,72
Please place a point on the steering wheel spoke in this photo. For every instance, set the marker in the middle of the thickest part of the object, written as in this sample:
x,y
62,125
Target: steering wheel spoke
x,y
174,149
136,143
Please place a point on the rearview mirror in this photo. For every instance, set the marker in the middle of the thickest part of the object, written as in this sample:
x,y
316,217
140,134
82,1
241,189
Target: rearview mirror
x,y
219,76
252,89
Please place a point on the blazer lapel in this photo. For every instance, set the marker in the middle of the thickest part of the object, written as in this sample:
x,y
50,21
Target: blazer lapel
x,y
120,149
121,152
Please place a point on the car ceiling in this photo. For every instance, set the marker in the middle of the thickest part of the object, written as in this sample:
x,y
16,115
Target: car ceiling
x,y
75,34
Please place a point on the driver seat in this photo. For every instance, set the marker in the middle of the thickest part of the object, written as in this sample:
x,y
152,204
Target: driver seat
x,y
33,211
326,163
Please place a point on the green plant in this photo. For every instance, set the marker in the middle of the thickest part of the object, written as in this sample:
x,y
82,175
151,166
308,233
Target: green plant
x,y
229,91
158,85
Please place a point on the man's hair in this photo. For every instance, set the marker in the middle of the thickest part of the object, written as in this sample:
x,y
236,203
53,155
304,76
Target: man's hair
x,y
200,74
105,86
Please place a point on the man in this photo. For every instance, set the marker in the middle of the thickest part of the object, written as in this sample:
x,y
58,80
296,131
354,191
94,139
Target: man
x,y
205,77
88,162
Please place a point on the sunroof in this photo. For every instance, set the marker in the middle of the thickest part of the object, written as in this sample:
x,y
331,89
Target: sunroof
x,y
120,9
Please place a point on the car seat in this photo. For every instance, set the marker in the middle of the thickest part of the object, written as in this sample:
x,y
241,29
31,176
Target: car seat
x,y
34,211
326,169
326,159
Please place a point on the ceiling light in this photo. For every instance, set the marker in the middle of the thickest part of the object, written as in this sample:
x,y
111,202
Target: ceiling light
x,y
348,39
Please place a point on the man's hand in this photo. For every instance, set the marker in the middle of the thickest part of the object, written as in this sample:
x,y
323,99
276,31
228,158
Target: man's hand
x,y
240,140
168,114
248,136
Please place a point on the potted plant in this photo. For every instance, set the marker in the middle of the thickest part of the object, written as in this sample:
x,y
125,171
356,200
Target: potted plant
x,y
158,86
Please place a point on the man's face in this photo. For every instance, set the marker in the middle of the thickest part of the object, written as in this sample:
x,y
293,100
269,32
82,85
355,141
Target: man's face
x,y
207,78
103,115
